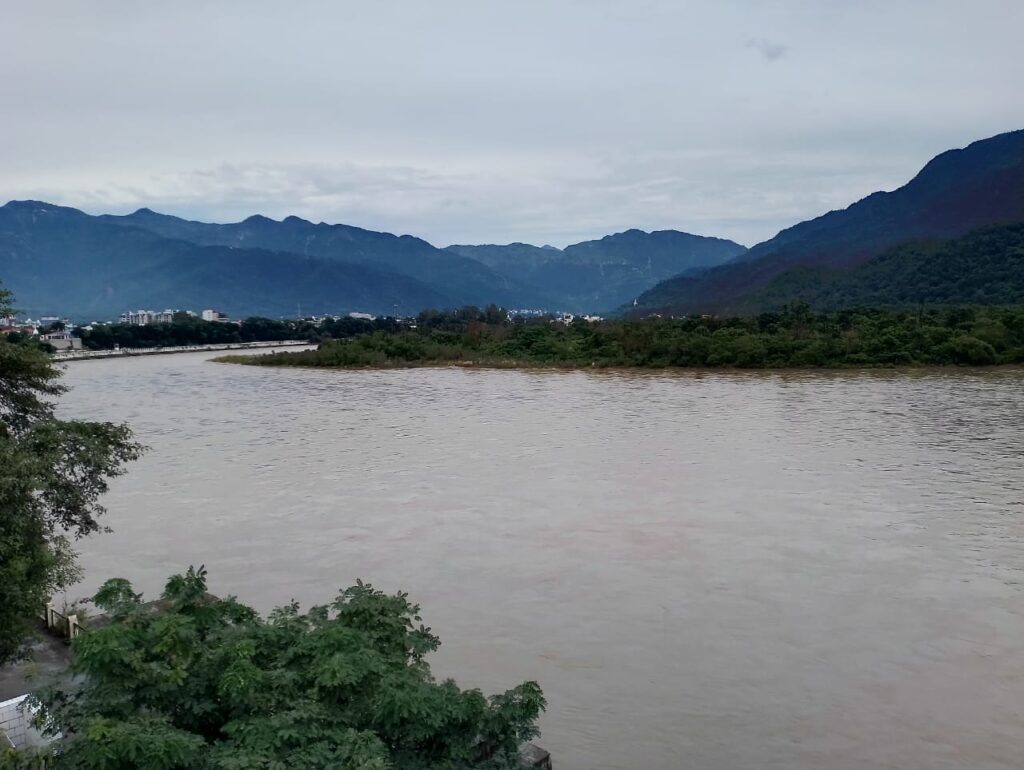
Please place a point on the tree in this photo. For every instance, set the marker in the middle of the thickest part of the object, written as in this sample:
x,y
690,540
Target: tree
x,y
194,681
965,349
52,474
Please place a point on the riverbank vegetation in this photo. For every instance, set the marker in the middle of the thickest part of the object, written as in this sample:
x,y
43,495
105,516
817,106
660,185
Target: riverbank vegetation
x,y
187,330
200,682
52,474
796,336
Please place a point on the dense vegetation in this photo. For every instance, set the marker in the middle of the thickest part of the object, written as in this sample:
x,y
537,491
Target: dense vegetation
x,y
186,330
793,337
198,682
984,267
52,473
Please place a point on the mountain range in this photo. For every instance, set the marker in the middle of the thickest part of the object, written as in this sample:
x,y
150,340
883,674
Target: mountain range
x,y
605,273
919,243
955,193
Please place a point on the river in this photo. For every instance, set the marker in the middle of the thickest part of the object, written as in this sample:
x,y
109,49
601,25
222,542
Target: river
x,y
714,571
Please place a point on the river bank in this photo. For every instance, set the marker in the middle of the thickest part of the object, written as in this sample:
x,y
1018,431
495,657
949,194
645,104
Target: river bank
x,y
796,339
80,355
634,370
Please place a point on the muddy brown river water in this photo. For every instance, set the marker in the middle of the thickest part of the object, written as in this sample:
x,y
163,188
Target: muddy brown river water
x,y
725,571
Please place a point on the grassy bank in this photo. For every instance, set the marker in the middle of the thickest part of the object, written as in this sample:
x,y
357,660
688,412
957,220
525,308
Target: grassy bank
x,y
795,337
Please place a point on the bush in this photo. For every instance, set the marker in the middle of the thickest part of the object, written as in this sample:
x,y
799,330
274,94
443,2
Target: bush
x,y
206,683
971,351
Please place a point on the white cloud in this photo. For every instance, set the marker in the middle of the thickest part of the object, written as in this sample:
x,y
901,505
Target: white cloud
x,y
466,121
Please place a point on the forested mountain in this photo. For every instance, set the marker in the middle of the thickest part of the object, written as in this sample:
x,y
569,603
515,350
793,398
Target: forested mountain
x,y
60,260
465,281
985,267
511,257
956,192
605,273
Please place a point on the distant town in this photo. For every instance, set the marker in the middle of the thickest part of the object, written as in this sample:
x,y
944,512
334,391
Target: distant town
x,y
62,334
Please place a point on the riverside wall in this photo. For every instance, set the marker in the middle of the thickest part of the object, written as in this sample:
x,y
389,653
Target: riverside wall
x,y
81,355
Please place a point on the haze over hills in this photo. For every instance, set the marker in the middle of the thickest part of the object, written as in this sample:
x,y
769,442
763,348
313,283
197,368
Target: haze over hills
x,y
61,260
956,192
605,273
463,281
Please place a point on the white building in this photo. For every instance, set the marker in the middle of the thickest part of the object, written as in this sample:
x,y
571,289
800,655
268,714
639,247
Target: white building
x,y
214,315
49,320
144,317
62,340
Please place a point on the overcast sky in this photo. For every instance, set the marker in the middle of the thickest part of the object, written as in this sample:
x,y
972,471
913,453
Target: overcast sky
x,y
472,121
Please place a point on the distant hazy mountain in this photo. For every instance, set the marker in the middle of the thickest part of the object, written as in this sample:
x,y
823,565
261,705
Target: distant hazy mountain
x,y
512,257
956,192
464,281
602,274
60,260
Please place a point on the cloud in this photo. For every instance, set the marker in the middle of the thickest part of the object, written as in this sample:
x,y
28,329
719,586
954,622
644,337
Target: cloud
x,y
463,121
534,199
769,50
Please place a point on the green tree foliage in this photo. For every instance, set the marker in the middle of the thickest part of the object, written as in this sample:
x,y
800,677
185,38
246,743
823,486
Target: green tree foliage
x,y
984,267
796,336
194,681
187,330
52,474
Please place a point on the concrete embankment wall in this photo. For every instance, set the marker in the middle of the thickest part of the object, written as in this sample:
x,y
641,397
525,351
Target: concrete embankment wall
x,y
15,726
80,355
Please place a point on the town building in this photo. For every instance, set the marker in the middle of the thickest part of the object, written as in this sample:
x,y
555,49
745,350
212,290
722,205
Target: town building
x,y
145,317
214,315
62,340
50,320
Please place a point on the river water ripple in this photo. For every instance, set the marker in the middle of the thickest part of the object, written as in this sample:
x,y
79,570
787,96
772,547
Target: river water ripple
x,y
717,571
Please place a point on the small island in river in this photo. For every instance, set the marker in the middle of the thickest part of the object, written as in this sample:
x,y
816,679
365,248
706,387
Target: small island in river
x,y
793,337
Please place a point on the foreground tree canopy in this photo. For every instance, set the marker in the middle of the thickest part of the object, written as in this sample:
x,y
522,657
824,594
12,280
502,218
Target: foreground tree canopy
x,y
52,473
194,681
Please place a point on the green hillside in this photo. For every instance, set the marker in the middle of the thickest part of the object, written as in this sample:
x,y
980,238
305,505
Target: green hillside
x,y
985,267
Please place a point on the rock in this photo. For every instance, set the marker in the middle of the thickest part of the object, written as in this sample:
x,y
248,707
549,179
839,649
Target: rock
x,y
531,755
